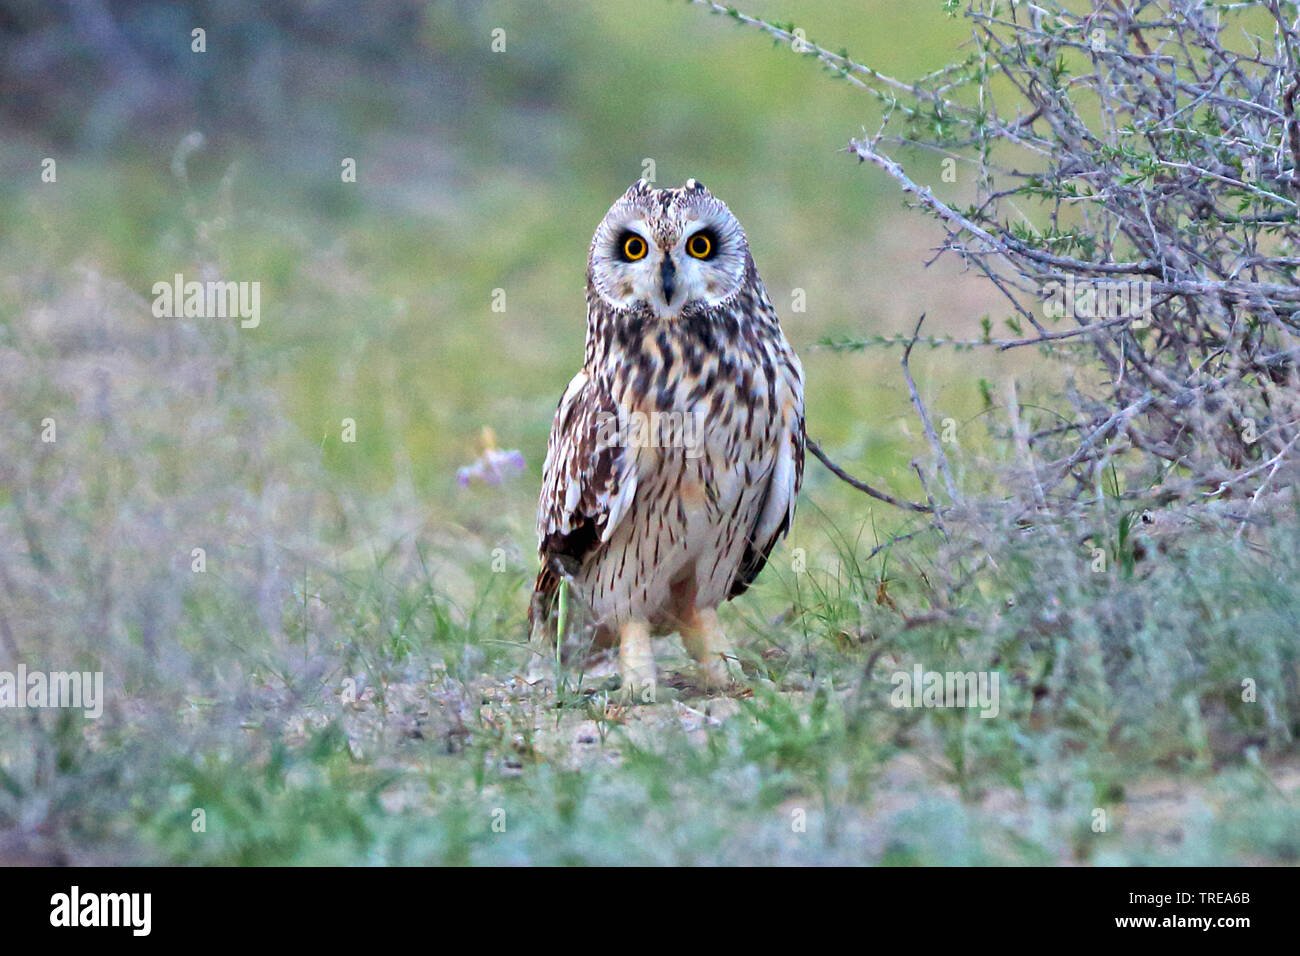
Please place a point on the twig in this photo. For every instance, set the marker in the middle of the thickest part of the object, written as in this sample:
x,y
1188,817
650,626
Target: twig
x,y
1292,130
1120,416
920,476
862,486
1021,436
896,539
931,435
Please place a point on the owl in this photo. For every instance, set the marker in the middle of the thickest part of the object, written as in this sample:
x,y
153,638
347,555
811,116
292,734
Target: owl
x,y
676,453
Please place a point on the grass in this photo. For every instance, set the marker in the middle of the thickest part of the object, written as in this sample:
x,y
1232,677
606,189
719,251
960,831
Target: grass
x,y
368,710
340,684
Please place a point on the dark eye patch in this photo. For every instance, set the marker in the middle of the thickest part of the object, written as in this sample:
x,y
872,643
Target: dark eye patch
x,y
630,247
703,244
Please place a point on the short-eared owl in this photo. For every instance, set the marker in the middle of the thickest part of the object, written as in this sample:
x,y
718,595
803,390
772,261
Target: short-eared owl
x,y
677,452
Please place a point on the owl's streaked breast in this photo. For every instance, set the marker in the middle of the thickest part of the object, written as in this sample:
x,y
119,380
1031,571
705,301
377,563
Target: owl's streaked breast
x,y
697,500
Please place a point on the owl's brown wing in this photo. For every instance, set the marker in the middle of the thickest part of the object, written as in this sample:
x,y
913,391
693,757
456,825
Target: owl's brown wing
x,y
588,482
781,494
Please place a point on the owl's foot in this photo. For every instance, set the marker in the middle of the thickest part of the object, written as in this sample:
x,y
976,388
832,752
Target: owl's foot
x,y
723,672
636,663
704,640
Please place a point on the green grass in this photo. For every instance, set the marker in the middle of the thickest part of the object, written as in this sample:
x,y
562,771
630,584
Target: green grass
x,y
1118,691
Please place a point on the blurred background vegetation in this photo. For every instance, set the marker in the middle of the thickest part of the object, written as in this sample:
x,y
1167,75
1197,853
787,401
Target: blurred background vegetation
x,y
476,171
331,561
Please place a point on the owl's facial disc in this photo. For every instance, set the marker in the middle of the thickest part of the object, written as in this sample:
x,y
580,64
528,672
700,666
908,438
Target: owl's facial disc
x,y
664,250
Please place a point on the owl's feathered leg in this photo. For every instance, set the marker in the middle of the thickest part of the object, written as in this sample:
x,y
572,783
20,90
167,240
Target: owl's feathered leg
x,y
704,640
636,662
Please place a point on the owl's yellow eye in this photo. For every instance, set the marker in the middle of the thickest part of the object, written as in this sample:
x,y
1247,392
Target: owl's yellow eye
x,y
700,245
634,248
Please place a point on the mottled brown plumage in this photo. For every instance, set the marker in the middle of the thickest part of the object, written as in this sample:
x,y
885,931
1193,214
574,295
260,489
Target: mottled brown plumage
x,y
676,453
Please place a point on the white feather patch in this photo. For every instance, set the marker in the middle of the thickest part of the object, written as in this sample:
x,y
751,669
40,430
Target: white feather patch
x,y
626,490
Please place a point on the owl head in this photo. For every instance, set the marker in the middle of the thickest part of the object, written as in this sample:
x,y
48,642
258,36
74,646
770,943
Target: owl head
x,y
666,250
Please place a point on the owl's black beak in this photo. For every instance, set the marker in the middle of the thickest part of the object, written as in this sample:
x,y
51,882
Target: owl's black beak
x,y
668,278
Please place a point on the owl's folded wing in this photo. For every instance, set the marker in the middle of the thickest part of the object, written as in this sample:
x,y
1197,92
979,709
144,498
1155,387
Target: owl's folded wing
x,y
588,482
777,513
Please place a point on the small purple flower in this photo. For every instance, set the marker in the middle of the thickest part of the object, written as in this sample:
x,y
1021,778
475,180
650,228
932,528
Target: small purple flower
x,y
493,468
